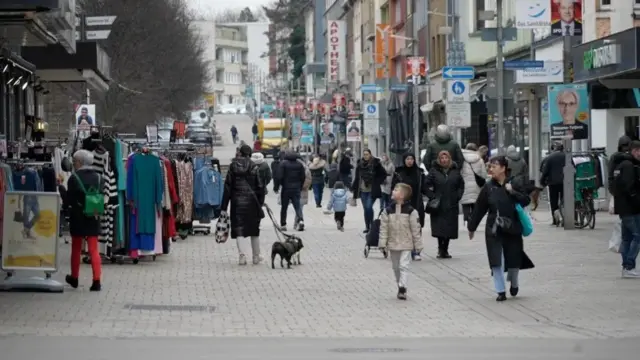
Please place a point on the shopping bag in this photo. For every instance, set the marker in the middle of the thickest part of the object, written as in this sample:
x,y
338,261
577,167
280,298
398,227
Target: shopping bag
x,y
612,209
373,236
525,221
17,215
616,238
353,201
222,228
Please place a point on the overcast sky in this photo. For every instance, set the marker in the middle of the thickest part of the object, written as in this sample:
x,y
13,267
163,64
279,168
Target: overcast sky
x,y
214,5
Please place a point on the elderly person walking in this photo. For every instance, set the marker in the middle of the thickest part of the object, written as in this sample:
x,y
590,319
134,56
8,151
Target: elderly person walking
x,y
474,174
388,166
82,225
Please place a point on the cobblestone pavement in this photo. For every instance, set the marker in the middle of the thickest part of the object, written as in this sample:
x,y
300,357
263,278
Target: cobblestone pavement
x,y
199,291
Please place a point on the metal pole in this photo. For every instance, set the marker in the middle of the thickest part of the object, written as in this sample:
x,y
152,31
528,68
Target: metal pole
x,y
387,125
500,78
568,171
416,111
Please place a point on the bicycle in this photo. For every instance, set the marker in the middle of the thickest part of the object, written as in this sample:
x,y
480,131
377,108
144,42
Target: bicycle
x,y
584,211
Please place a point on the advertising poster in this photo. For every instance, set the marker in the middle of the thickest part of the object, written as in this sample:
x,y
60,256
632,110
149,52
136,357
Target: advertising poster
x,y
307,133
566,17
30,233
569,111
85,118
533,14
296,131
326,133
416,72
354,131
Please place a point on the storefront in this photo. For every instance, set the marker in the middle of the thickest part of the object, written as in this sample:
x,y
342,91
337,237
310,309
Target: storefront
x,y
610,68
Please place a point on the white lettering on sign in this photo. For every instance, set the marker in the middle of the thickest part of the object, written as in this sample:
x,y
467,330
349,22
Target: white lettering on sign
x,y
606,55
336,50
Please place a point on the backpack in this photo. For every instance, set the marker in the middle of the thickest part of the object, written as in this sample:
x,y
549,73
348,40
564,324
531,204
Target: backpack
x,y
93,199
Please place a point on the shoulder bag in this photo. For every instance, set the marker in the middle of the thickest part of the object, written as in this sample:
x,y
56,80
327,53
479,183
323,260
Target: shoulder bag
x,y
480,181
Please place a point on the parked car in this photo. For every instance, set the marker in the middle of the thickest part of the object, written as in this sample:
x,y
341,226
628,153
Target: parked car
x,y
228,109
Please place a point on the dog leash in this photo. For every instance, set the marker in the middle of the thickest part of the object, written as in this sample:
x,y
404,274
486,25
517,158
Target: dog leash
x,y
276,228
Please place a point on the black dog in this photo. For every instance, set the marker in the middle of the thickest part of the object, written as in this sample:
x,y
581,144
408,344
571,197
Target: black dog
x,y
286,250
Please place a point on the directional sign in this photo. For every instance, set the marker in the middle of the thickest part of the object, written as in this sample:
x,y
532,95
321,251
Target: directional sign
x,y
371,111
523,64
100,20
370,88
458,72
399,87
457,91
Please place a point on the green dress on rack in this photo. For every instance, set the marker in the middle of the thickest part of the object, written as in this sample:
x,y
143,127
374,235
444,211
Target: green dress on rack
x,y
148,187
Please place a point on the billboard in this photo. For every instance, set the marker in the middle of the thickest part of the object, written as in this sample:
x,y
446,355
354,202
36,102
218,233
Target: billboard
x,y
569,111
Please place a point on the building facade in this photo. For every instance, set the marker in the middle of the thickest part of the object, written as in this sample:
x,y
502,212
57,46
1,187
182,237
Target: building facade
x,y
315,45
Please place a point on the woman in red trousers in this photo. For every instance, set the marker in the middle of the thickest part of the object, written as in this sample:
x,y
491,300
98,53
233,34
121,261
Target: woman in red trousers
x,y
82,226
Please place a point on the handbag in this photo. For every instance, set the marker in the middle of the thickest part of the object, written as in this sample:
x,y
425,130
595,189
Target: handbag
x,y
525,221
17,215
353,202
373,236
222,228
432,205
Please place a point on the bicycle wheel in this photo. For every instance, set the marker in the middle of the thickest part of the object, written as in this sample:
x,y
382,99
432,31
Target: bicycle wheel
x,y
583,217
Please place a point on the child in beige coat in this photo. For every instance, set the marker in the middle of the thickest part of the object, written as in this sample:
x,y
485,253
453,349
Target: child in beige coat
x,y
400,233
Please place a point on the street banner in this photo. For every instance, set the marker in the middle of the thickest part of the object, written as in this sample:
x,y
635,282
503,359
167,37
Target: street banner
x,y
327,135
30,232
85,118
569,111
416,72
566,17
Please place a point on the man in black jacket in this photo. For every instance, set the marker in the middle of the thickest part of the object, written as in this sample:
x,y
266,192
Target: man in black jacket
x,y
553,176
291,176
275,168
626,185
616,158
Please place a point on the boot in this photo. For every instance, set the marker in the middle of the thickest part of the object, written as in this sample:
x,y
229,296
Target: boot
x,y
72,281
95,286
402,293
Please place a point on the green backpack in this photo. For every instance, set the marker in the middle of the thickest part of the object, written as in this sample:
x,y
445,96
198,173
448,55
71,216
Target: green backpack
x,y
93,199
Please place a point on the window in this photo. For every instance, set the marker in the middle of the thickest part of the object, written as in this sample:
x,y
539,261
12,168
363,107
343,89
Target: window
x,y
479,24
397,9
605,4
636,3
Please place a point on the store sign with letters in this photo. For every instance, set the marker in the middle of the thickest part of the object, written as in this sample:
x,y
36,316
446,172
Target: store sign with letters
x,y
603,56
336,50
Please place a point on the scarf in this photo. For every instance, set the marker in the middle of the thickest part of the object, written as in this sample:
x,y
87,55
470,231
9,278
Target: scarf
x,y
366,172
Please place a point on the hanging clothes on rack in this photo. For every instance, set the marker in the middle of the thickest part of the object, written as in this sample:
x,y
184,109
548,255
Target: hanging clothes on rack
x,y
6,184
144,194
170,200
208,189
185,191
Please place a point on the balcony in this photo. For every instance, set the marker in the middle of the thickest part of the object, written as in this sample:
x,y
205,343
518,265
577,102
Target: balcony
x,y
235,44
219,64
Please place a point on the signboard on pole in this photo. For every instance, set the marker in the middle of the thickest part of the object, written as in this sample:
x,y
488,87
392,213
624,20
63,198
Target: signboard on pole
x,y
353,131
458,105
84,119
30,232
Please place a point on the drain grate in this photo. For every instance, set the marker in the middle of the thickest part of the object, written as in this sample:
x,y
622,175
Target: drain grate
x,y
368,350
186,308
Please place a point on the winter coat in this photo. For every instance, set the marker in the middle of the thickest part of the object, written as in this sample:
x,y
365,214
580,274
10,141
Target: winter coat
x,y
400,229
518,169
332,175
317,171
275,168
338,201
552,172
414,177
245,192
378,175
442,143
264,170
291,174
345,165
494,199
625,184
616,158
79,223
472,163
448,186
390,169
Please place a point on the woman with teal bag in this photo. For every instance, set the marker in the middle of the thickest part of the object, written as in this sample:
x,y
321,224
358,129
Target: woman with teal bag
x,y
499,200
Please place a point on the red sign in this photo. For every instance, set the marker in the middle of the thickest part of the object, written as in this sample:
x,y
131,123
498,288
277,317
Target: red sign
x,y
280,104
300,106
314,105
339,100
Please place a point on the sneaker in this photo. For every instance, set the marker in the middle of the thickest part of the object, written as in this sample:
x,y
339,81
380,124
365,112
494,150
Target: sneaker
x,y
283,228
417,257
402,293
633,273
502,296
257,259
301,226
242,260
318,206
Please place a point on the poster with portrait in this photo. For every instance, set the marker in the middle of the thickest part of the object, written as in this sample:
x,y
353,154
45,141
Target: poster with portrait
x,y
354,131
326,133
339,102
30,232
296,131
416,72
569,111
307,133
85,118
566,17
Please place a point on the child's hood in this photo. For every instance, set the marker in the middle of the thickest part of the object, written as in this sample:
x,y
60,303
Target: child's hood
x,y
340,193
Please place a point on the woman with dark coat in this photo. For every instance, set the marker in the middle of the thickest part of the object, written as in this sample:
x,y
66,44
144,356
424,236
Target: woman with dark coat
x,y
503,230
411,174
246,192
370,174
444,186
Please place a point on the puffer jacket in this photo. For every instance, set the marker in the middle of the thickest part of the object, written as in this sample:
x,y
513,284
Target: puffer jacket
x,y
390,169
441,143
265,170
472,163
291,174
306,185
244,191
518,168
617,158
338,201
317,169
400,228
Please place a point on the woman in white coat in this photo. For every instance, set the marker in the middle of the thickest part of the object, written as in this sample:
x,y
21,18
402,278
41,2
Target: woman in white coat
x,y
474,174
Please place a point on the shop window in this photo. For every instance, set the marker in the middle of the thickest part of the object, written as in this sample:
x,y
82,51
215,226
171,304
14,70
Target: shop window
x,y
632,127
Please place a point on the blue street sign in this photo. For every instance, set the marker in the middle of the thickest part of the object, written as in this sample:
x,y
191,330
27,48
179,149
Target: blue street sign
x,y
458,72
523,64
399,87
370,88
372,109
458,88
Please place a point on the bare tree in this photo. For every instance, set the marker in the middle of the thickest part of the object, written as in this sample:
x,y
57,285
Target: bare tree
x,y
157,61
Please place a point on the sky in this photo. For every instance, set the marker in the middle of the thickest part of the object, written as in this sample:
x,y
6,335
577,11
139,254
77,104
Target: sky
x,y
226,4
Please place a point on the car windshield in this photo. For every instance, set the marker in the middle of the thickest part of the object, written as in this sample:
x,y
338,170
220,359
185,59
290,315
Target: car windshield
x,y
272,134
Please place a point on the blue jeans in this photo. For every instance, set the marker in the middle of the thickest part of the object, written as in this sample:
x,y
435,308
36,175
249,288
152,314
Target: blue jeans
x,y
30,207
294,199
385,200
367,204
318,189
630,246
498,277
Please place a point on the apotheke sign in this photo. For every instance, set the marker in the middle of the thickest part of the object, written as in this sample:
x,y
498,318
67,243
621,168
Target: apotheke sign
x,y
600,57
336,50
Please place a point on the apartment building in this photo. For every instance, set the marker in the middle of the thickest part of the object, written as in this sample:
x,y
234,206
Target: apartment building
x,y
315,46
